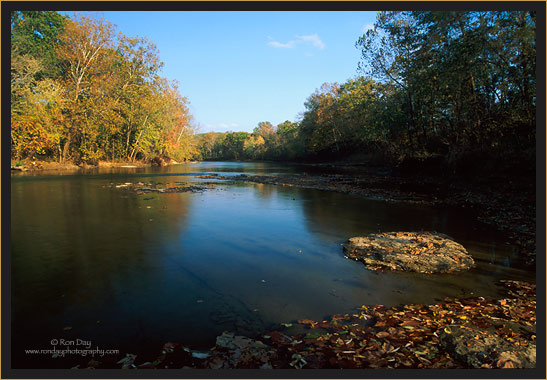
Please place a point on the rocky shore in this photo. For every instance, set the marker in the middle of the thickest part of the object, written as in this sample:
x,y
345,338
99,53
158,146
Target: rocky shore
x,y
455,333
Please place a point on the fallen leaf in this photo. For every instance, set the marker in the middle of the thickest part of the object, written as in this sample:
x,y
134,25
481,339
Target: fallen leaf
x,y
382,334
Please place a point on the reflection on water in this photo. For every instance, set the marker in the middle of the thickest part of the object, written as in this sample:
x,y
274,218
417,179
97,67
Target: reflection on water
x,y
131,272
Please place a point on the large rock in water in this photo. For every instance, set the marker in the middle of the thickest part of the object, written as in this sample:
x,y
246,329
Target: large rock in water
x,y
424,252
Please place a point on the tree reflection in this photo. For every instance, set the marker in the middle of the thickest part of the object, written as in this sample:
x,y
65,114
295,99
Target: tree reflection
x,y
265,191
334,217
78,247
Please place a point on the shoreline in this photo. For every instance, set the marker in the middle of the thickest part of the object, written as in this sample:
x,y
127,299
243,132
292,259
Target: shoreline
x,y
474,332
38,166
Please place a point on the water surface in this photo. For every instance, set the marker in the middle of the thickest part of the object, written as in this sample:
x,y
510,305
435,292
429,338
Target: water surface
x,y
131,272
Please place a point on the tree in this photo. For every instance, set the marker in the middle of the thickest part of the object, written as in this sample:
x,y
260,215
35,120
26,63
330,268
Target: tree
x,y
103,97
462,81
137,64
85,49
355,104
254,147
206,144
288,144
35,34
264,129
233,145
320,127
35,98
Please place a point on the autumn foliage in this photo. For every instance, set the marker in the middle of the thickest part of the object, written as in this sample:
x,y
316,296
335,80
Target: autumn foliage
x,y
96,94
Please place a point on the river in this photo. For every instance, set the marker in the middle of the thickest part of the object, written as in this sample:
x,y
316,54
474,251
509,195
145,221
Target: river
x,y
130,271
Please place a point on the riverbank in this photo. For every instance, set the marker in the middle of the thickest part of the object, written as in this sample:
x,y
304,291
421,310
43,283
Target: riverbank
x,y
37,165
456,333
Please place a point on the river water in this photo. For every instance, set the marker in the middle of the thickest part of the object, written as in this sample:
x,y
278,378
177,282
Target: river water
x,y
128,271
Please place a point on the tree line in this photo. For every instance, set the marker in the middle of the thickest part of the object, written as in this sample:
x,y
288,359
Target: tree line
x,y
450,87
82,92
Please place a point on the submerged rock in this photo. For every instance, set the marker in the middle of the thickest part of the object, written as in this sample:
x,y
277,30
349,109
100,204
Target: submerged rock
x,y
424,252
154,187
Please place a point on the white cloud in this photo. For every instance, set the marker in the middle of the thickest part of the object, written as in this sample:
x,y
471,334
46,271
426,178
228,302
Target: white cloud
x,y
288,45
233,125
312,39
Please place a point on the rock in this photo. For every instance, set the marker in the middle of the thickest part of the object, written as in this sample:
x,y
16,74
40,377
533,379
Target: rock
x,y
479,348
234,351
123,185
137,187
159,161
207,176
233,342
424,252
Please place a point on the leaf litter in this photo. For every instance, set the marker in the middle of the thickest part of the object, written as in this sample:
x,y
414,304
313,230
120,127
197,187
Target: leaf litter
x,y
474,332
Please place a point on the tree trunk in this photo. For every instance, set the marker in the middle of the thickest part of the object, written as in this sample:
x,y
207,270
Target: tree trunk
x,y
131,157
335,140
135,147
65,149
412,118
127,140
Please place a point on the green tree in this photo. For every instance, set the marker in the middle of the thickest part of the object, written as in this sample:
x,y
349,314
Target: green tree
x,y
36,33
288,141
206,143
35,97
463,82
233,145
320,126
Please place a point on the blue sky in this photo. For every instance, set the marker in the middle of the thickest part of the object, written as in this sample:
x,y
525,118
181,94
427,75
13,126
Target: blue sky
x,y
240,68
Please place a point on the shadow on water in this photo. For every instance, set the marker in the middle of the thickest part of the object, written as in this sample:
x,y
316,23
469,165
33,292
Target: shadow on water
x,y
132,271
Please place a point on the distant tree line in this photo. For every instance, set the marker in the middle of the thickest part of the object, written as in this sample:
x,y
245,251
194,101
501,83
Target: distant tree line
x,y
456,88
266,142
81,92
